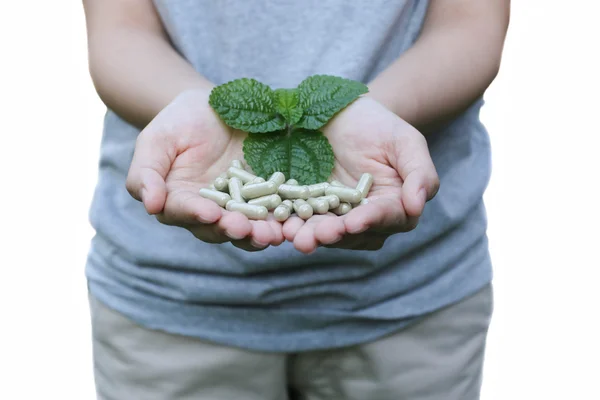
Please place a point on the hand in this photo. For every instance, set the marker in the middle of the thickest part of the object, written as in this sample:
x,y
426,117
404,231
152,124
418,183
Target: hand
x,y
183,149
367,137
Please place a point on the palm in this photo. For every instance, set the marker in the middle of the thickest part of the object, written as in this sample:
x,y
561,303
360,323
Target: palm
x,y
366,137
192,146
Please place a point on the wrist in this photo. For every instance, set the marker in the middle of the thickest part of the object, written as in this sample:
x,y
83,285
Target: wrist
x,y
403,104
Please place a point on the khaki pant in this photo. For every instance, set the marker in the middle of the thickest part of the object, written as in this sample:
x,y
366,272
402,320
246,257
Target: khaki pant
x,y
438,358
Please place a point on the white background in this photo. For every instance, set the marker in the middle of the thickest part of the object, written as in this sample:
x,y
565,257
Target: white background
x,y
542,113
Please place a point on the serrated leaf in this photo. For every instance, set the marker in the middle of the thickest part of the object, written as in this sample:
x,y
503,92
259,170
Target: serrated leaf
x,y
322,96
248,105
303,155
287,105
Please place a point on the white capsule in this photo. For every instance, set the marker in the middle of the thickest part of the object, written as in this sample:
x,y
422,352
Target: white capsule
x,y
278,178
345,194
282,212
221,184
249,210
319,206
343,208
318,189
293,192
235,189
270,201
254,190
258,179
212,187
244,176
288,203
292,182
237,164
303,209
218,197
337,183
364,184
332,199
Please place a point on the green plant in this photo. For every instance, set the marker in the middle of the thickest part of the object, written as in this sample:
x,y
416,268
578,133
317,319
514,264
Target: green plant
x,y
283,125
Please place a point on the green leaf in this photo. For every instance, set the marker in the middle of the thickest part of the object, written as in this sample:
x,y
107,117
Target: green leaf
x,y
322,96
287,105
303,155
248,105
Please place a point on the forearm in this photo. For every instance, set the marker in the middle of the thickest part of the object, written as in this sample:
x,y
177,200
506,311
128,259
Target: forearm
x,y
451,64
134,68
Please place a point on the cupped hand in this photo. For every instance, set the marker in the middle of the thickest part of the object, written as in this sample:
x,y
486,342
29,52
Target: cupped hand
x,y
182,150
367,137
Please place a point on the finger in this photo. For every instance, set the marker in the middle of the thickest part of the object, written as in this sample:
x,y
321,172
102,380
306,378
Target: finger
x,y
330,230
235,225
210,233
188,208
231,226
414,165
304,240
154,153
291,227
277,228
384,215
262,234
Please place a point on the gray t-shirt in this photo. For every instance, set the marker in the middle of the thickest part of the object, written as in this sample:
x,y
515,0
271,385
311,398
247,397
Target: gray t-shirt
x,y
279,299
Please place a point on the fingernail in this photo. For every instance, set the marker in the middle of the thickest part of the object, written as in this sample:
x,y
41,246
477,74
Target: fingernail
x,y
258,244
234,237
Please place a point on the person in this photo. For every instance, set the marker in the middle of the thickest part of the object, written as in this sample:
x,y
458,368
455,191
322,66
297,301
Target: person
x,y
392,300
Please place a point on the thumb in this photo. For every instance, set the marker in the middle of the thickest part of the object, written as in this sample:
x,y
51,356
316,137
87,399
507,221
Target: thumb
x,y
419,187
420,179
151,163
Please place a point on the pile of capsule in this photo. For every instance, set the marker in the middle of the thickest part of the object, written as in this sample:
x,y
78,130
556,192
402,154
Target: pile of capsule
x,y
253,196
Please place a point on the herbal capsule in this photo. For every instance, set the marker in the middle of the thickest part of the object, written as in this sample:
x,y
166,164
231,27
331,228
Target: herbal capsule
x,y
258,179
332,200
249,210
364,184
319,206
360,203
218,197
292,182
282,212
244,176
270,201
318,189
288,203
221,184
235,189
343,208
346,194
224,175
212,187
303,209
254,190
293,192
337,183
278,178
237,164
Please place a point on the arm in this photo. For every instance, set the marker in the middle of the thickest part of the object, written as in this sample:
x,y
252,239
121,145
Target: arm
x,y
452,63
134,67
